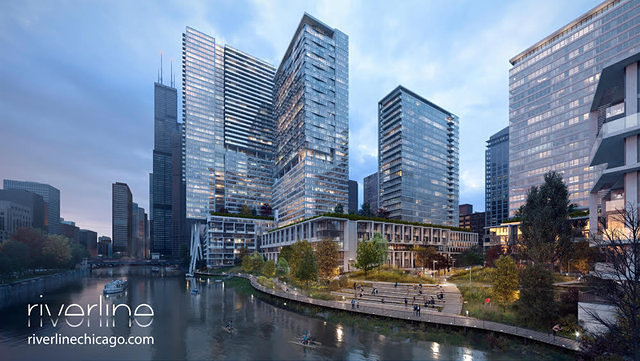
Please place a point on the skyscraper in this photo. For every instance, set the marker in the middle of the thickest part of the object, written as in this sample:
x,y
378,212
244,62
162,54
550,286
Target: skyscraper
x,y
311,101
166,131
121,218
227,127
353,197
496,178
33,201
551,87
418,159
371,191
51,196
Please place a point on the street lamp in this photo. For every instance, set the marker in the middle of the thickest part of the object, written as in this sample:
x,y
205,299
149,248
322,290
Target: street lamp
x,y
434,267
469,268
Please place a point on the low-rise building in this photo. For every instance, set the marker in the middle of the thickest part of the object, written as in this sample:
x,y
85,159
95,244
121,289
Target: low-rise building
x,y
401,236
227,234
13,216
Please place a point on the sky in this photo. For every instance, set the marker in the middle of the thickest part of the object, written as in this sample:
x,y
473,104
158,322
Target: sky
x,y
76,78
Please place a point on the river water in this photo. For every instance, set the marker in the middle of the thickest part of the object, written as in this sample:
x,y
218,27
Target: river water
x,y
190,327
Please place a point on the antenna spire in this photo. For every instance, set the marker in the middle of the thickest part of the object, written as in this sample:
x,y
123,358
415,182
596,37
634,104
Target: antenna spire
x,y
161,67
172,82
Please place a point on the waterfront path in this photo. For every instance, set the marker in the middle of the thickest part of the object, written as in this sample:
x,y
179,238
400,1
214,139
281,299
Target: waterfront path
x,y
438,318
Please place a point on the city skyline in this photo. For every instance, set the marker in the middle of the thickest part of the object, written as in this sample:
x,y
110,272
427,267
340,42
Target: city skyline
x,y
95,98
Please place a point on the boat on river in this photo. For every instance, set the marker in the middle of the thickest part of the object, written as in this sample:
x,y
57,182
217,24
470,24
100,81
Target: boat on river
x,y
115,286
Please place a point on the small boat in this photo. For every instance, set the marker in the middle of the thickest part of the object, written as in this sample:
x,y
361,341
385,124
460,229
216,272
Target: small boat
x,y
195,291
115,286
155,269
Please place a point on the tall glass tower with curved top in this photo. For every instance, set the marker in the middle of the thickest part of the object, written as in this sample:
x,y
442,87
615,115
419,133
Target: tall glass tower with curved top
x,y
311,110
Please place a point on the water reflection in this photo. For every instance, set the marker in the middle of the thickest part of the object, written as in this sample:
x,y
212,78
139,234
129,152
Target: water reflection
x,y
191,327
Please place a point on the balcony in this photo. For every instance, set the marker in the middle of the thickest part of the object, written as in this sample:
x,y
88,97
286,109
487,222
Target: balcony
x,y
615,205
609,145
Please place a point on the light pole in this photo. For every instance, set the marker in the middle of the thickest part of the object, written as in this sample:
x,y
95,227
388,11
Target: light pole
x,y
469,274
434,267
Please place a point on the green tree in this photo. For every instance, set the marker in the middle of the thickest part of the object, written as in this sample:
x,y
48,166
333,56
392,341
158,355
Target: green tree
x,y
269,268
14,256
286,252
307,268
78,253
247,264
471,257
298,251
505,281
365,211
282,267
546,229
536,307
257,262
56,253
338,209
367,256
382,247
327,255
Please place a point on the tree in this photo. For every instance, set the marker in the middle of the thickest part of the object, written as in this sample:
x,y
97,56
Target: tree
x,y
34,239
580,258
286,252
282,267
245,210
266,210
546,230
365,211
247,264
338,209
298,252
14,256
307,267
269,268
56,253
536,307
618,280
368,256
492,255
327,256
425,256
78,253
505,281
471,257
243,251
383,247
257,262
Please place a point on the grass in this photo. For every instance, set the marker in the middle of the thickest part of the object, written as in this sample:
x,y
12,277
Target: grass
x,y
478,274
389,274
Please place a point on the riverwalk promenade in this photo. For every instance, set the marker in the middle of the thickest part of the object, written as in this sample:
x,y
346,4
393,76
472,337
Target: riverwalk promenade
x,y
449,318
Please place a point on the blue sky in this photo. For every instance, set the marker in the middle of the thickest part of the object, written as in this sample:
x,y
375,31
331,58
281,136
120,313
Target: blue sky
x,y
76,78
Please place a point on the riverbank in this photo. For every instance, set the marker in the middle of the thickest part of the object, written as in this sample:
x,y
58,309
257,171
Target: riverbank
x,y
22,291
410,331
432,318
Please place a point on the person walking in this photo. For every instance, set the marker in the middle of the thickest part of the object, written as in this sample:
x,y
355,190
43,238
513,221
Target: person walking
x,y
353,303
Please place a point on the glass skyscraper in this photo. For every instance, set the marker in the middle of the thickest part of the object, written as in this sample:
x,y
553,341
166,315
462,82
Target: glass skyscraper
x,y
228,127
311,110
496,178
551,88
371,192
418,159
121,218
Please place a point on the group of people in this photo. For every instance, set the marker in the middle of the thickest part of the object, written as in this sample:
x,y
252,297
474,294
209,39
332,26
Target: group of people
x,y
306,338
229,326
355,304
416,310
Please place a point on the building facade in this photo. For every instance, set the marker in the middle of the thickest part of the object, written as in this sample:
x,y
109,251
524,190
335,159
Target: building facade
x,y
371,192
227,235
417,159
227,129
551,88
105,247
402,238
49,194
496,178
353,197
89,239
70,230
474,221
13,216
162,201
311,111
614,112
30,200
121,218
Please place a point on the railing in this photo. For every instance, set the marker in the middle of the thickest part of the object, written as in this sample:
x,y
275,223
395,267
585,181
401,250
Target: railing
x,y
430,317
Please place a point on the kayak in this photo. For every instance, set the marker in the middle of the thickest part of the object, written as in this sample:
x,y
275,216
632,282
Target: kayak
x,y
311,344
232,330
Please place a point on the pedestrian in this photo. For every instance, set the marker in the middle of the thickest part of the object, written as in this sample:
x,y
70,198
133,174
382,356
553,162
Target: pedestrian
x,y
382,300
420,292
414,299
556,328
396,285
360,294
418,310
405,302
354,286
415,310
420,285
358,304
353,303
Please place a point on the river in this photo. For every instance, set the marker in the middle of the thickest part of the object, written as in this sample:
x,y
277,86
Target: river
x,y
190,327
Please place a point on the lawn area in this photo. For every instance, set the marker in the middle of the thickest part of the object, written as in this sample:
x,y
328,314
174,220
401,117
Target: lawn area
x,y
475,295
478,274
389,274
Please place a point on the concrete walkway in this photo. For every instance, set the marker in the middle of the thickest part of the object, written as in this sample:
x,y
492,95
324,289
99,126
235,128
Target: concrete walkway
x,y
429,317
